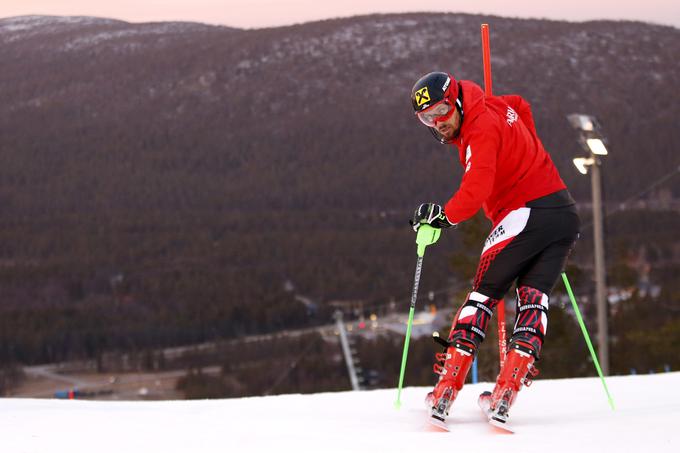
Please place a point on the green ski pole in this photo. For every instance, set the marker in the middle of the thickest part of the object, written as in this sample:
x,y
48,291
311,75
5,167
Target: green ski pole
x,y
587,337
427,235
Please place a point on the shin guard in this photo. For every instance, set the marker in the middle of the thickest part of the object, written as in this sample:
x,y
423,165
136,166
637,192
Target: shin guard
x,y
532,318
472,319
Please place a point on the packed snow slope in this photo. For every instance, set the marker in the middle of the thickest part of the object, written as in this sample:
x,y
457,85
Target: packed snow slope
x,y
570,415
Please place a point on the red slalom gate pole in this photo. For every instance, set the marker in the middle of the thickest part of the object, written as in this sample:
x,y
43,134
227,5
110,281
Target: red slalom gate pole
x,y
502,344
486,55
488,91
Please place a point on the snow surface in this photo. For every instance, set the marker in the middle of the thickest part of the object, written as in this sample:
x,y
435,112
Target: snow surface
x,y
569,415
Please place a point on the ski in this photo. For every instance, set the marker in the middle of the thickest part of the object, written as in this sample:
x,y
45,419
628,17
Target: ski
x,y
497,419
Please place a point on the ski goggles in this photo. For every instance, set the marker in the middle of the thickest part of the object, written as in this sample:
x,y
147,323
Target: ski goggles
x,y
441,111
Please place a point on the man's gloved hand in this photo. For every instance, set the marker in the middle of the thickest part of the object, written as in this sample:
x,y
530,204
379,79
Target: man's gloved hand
x,y
431,214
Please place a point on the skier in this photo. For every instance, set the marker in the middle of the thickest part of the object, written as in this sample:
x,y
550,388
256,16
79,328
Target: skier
x,y
535,225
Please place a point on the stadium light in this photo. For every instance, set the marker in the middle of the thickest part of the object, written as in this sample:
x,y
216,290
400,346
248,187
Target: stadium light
x,y
582,164
596,146
581,122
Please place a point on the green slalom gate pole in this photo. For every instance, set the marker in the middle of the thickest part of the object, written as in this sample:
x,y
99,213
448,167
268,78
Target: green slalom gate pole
x,y
427,235
587,337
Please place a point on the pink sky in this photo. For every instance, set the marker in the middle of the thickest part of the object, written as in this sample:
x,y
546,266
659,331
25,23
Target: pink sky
x,y
264,13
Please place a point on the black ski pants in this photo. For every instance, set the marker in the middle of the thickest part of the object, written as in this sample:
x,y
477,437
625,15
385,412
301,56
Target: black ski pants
x,y
528,247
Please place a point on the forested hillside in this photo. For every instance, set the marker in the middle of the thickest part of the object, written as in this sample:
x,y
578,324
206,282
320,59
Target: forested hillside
x,y
162,182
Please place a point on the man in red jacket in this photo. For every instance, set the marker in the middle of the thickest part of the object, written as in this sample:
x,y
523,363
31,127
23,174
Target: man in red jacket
x,y
508,173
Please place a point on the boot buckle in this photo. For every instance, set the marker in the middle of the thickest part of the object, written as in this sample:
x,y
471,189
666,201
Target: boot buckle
x,y
442,356
533,371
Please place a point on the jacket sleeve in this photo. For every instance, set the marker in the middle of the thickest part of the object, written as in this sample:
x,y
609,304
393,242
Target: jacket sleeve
x,y
523,109
478,177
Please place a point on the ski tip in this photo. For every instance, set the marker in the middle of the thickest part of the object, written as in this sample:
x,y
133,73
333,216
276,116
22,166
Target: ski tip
x,y
500,426
439,424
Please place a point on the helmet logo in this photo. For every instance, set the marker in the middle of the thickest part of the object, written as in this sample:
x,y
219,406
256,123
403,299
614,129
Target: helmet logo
x,y
422,96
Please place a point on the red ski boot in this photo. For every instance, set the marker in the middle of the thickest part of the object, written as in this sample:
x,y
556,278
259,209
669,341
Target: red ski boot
x,y
452,367
518,370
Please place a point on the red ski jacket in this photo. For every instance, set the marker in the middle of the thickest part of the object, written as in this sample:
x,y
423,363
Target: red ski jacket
x,y
504,161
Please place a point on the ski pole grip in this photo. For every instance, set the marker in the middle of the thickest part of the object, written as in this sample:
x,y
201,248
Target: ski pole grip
x,y
427,235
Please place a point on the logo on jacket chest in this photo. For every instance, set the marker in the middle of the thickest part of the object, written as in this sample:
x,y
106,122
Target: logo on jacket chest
x,y
511,116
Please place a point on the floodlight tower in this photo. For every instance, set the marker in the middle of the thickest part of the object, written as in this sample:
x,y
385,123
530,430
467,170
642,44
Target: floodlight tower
x,y
593,143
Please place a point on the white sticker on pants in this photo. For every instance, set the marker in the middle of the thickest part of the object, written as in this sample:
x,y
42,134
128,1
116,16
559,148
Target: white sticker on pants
x,y
511,225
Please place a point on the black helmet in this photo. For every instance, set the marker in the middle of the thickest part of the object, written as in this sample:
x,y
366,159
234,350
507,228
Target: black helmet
x,y
431,89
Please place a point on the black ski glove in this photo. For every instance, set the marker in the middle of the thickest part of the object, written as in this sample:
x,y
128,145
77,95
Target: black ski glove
x,y
431,214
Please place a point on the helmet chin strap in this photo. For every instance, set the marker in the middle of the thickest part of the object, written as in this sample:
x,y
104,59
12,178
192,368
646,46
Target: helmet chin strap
x,y
438,136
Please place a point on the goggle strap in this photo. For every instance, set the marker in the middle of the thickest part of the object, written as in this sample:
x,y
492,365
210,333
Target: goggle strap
x,y
459,102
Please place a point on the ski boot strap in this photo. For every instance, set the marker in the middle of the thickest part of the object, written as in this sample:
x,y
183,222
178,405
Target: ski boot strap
x,y
461,345
439,340
523,349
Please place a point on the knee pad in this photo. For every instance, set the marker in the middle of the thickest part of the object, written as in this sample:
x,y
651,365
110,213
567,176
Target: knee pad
x,y
531,322
472,319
